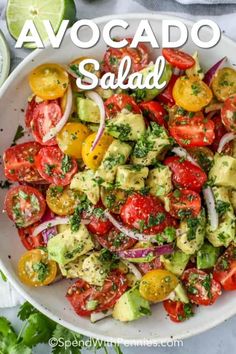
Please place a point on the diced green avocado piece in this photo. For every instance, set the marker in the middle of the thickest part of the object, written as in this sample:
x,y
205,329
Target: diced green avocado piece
x,y
94,270
225,233
104,93
131,306
159,181
179,294
192,234
233,199
117,154
223,171
151,146
85,182
73,269
207,256
176,262
67,246
88,110
126,126
149,94
195,70
131,177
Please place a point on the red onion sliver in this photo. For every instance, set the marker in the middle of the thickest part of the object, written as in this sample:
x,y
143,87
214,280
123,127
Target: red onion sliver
x,y
225,140
49,233
145,252
133,269
97,316
181,152
211,208
53,131
50,223
130,233
213,70
92,95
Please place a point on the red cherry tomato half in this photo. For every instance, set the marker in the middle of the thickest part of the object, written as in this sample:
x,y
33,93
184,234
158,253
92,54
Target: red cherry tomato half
x,y
31,242
220,130
145,213
46,115
139,57
55,167
177,58
185,174
192,131
177,311
29,112
184,203
228,113
19,162
24,205
115,240
154,111
166,96
80,293
119,101
225,269
201,288
147,266
98,223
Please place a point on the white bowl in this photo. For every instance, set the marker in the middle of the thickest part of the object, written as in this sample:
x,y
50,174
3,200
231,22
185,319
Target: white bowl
x,y
51,300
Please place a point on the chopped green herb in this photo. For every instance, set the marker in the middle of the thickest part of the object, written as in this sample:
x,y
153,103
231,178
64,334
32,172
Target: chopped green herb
x,y
19,134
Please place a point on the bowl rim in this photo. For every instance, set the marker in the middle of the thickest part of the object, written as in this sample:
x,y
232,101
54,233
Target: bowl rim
x,y
132,341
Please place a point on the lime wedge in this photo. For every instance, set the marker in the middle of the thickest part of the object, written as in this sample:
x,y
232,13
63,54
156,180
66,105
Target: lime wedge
x,y
19,11
4,59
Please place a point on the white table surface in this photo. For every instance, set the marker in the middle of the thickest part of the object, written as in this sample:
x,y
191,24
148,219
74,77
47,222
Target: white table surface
x,y
219,340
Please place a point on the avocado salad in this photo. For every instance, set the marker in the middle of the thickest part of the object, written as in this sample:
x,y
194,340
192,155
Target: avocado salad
x,y
130,194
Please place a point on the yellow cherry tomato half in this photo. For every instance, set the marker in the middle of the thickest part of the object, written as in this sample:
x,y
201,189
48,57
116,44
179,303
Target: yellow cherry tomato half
x,y
62,201
74,66
35,269
191,93
49,81
71,138
157,284
92,159
224,83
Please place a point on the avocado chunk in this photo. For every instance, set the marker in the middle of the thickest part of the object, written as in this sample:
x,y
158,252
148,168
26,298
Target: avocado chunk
x,y
151,146
67,246
149,94
176,262
223,171
192,234
207,256
159,181
73,269
117,154
195,70
85,182
131,177
179,294
131,306
233,199
225,233
126,126
88,110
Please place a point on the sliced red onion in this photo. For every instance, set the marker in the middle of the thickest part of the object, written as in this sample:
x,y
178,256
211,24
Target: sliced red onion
x,y
213,107
211,208
130,233
145,252
225,140
213,70
181,152
53,131
92,95
50,223
97,316
133,269
49,233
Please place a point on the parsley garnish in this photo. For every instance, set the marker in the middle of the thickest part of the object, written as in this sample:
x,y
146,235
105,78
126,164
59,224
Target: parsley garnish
x,y
222,207
19,134
66,164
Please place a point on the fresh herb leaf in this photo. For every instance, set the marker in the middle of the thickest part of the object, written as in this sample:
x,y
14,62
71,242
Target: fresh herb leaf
x,y
222,207
66,164
19,134
5,184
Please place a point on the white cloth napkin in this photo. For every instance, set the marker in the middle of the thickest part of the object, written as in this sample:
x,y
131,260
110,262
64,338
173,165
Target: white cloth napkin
x,y
206,2
8,296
